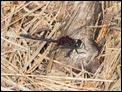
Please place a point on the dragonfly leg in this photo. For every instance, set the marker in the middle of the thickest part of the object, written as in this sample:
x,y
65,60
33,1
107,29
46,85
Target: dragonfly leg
x,y
69,53
78,52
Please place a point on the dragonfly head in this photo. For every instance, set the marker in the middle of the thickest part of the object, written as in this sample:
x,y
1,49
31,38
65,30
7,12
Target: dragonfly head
x,y
78,42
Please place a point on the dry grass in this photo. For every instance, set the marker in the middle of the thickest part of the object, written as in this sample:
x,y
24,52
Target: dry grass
x,y
21,60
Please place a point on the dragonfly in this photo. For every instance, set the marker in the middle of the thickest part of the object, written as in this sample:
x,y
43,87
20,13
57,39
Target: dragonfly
x,y
64,42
